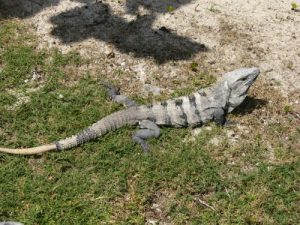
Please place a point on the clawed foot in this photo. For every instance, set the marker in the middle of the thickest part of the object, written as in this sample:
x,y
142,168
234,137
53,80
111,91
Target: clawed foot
x,y
148,129
114,94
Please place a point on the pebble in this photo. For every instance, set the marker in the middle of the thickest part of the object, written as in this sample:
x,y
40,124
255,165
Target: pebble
x,y
109,52
215,141
152,221
152,89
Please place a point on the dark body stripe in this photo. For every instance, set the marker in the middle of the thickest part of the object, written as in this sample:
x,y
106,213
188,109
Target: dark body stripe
x,y
178,103
192,100
191,111
167,117
179,112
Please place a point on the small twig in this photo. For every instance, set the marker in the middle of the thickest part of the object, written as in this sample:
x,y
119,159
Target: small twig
x,y
196,8
205,204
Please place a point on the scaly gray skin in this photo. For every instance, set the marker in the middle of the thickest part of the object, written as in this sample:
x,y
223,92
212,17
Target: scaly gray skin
x,y
193,110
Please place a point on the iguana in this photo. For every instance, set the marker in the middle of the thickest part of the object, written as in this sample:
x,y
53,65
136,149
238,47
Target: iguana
x,y
194,110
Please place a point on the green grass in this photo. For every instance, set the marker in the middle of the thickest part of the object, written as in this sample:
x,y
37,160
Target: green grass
x,y
110,181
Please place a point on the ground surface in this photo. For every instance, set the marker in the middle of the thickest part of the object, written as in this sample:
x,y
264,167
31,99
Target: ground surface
x,y
53,54
218,35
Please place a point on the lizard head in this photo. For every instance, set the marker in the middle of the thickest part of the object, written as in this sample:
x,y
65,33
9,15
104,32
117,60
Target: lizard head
x,y
239,81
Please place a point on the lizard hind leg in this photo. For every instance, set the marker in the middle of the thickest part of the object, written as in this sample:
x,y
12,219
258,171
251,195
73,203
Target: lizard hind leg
x,y
148,129
114,94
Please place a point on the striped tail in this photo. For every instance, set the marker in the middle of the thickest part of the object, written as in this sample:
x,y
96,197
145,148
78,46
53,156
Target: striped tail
x,y
109,123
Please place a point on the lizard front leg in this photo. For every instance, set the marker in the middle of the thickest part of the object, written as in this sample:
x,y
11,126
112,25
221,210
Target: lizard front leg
x,y
219,116
114,95
148,129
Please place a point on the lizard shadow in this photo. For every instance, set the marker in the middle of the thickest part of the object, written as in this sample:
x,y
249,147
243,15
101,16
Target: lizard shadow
x,y
135,37
249,105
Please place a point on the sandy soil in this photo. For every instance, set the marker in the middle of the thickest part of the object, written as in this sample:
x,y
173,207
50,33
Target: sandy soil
x,y
134,42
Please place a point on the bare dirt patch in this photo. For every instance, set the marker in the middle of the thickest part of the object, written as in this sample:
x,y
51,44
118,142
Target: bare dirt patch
x,y
140,42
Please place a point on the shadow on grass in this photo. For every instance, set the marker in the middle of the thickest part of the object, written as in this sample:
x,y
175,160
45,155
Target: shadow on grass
x,y
136,37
